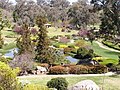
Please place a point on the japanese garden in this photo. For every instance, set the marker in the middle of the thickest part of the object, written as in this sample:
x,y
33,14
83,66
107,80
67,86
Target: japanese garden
x,y
59,44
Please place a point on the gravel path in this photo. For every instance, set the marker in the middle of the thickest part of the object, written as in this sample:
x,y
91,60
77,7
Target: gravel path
x,y
69,75
105,47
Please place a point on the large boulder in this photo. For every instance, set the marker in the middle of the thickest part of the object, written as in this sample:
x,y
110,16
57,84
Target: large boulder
x,y
85,85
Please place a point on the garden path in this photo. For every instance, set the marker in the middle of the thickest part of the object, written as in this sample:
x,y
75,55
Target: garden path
x,y
68,75
105,47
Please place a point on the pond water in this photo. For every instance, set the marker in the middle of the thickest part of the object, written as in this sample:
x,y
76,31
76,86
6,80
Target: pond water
x,y
11,53
15,50
71,59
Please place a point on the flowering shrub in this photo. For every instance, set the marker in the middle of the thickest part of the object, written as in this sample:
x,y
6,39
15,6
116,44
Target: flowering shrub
x,y
57,70
8,79
18,30
64,40
83,33
33,31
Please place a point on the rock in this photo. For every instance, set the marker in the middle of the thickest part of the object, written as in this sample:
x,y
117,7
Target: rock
x,y
85,85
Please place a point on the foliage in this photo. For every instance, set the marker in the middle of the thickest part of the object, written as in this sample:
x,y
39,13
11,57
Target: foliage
x,y
55,9
111,17
23,12
64,40
5,60
24,42
57,70
35,87
23,61
68,50
83,53
42,41
58,83
80,14
81,69
8,79
80,43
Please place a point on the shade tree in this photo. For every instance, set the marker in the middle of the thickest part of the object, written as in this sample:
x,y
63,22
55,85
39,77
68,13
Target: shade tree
x,y
110,19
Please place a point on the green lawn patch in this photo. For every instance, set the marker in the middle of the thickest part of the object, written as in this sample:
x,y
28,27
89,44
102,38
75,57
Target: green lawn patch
x,y
7,47
54,32
110,83
104,52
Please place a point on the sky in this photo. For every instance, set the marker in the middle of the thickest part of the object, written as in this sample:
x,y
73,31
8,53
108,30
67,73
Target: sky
x,y
68,0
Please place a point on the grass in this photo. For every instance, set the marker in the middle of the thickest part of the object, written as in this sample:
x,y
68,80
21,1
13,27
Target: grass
x,y
53,32
7,47
110,83
104,52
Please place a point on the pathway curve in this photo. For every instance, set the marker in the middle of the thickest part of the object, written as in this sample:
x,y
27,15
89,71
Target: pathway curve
x,y
105,47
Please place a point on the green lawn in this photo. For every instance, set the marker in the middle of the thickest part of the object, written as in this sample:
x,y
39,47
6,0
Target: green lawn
x,y
7,47
53,32
110,83
104,52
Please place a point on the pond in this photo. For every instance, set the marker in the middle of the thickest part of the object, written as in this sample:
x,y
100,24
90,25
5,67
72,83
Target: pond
x,y
71,59
11,53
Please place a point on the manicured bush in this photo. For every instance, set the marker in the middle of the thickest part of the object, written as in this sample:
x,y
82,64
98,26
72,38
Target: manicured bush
x,y
35,87
8,79
80,43
59,83
78,69
57,70
68,50
98,69
81,69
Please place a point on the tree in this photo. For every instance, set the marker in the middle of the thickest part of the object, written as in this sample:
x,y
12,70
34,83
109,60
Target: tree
x,y
3,23
24,42
6,4
81,15
24,61
55,9
110,25
42,41
25,12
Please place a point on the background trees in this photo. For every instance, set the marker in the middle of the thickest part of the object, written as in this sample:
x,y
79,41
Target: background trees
x,y
110,25
25,12
81,14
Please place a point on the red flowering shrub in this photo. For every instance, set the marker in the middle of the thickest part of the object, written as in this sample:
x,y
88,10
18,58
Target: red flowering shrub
x,y
33,31
18,29
83,33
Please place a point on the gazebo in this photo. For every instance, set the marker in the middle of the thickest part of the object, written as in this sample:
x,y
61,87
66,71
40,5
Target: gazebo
x,y
48,25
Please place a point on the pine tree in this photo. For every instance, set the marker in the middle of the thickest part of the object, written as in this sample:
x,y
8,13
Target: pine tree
x,y
42,41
